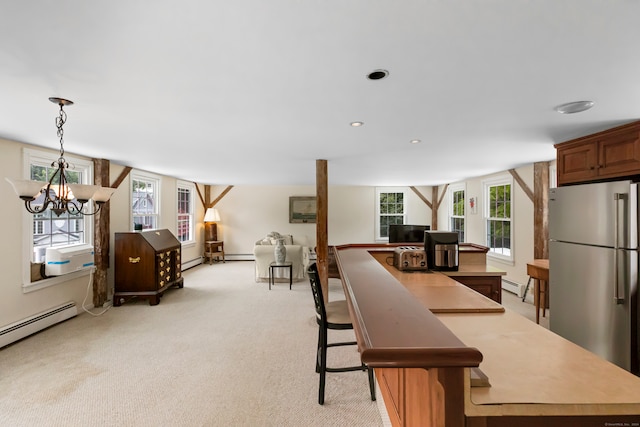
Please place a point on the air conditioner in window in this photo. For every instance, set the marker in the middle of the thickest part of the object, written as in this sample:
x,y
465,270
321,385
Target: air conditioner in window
x,y
67,259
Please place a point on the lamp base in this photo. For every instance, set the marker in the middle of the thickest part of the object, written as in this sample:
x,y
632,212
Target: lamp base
x,y
210,231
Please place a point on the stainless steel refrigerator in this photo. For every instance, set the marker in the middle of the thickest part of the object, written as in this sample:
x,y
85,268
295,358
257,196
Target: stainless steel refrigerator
x,y
593,269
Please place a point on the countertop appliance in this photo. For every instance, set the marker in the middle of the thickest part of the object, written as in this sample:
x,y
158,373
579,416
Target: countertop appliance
x,y
593,269
410,258
406,233
442,250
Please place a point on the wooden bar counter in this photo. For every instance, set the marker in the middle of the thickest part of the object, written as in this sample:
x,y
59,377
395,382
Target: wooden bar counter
x,y
425,335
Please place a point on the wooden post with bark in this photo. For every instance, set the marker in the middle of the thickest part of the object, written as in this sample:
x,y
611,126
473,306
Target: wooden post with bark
x,y
322,229
101,231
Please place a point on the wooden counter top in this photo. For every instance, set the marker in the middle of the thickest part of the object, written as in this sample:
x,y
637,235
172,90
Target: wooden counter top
x,y
392,327
438,292
475,270
532,371
472,247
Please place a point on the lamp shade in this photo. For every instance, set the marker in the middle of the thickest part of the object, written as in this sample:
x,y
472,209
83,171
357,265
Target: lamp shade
x,y
103,194
83,192
26,189
211,215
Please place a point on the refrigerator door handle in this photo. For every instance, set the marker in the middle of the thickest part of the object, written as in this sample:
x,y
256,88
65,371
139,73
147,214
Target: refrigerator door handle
x,y
617,197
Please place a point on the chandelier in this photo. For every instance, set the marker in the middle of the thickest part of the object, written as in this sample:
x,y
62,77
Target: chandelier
x,y
58,194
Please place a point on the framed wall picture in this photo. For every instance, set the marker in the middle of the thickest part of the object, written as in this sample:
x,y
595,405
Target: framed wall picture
x,y
302,210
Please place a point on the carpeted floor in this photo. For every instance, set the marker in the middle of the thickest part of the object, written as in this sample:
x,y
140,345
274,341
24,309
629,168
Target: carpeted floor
x,y
222,351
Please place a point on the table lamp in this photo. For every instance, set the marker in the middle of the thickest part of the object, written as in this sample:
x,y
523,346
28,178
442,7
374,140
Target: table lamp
x,y
210,227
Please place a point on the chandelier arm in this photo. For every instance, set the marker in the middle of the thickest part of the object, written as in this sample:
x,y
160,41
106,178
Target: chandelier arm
x,y
30,209
72,208
97,207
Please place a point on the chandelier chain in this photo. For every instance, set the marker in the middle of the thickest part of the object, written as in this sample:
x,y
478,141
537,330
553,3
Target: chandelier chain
x,y
60,121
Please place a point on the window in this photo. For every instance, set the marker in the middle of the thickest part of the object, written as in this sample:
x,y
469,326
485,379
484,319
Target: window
x,y
553,173
145,201
47,229
456,210
390,209
186,192
498,208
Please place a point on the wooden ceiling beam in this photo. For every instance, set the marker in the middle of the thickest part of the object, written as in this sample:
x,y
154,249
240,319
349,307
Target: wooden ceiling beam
x,y
522,184
121,177
421,196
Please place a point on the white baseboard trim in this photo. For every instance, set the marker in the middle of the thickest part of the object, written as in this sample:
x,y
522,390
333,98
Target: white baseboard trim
x,y
191,263
239,257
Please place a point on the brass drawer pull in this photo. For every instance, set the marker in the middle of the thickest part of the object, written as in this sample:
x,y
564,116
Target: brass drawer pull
x,y
134,260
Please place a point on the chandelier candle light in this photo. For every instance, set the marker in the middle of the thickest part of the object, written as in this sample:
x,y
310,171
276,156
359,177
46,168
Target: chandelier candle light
x,y
58,193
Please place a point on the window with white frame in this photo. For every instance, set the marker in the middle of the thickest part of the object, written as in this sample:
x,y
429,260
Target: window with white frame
x,y
498,215
391,209
47,228
145,201
185,196
553,182
457,202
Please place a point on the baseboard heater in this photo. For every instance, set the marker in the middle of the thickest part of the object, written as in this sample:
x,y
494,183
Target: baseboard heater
x,y
23,328
513,287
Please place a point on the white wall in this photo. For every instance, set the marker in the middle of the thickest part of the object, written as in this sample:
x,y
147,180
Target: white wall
x,y
522,223
121,218
16,305
248,213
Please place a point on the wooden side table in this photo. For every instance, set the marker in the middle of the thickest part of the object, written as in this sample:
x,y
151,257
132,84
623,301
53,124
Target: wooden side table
x,y
214,249
272,276
538,270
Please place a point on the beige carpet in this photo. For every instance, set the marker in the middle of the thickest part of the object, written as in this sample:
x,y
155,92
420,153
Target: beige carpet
x,y
223,351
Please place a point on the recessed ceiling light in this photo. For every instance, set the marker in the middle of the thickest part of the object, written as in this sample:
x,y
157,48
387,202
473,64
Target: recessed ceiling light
x,y
377,74
356,124
574,107
415,141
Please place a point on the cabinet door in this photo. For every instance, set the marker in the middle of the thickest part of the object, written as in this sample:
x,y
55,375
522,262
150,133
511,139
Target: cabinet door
x,y
489,286
619,154
577,163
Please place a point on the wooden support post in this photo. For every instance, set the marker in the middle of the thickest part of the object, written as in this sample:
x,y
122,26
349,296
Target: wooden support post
x,y
101,229
207,197
322,229
434,209
541,210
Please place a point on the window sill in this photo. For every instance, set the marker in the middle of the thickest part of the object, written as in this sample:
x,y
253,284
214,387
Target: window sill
x,y
500,258
45,283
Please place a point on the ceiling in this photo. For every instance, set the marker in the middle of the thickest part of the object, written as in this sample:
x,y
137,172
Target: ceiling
x,y
252,92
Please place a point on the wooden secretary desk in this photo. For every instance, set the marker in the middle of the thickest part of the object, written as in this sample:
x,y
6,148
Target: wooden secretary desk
x,y
147,264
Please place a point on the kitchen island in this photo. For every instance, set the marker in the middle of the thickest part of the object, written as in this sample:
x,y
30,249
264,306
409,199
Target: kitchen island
x,y
431,340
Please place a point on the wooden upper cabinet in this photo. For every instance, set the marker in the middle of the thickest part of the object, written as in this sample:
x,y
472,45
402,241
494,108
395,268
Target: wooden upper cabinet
x,y
614,153
577,163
